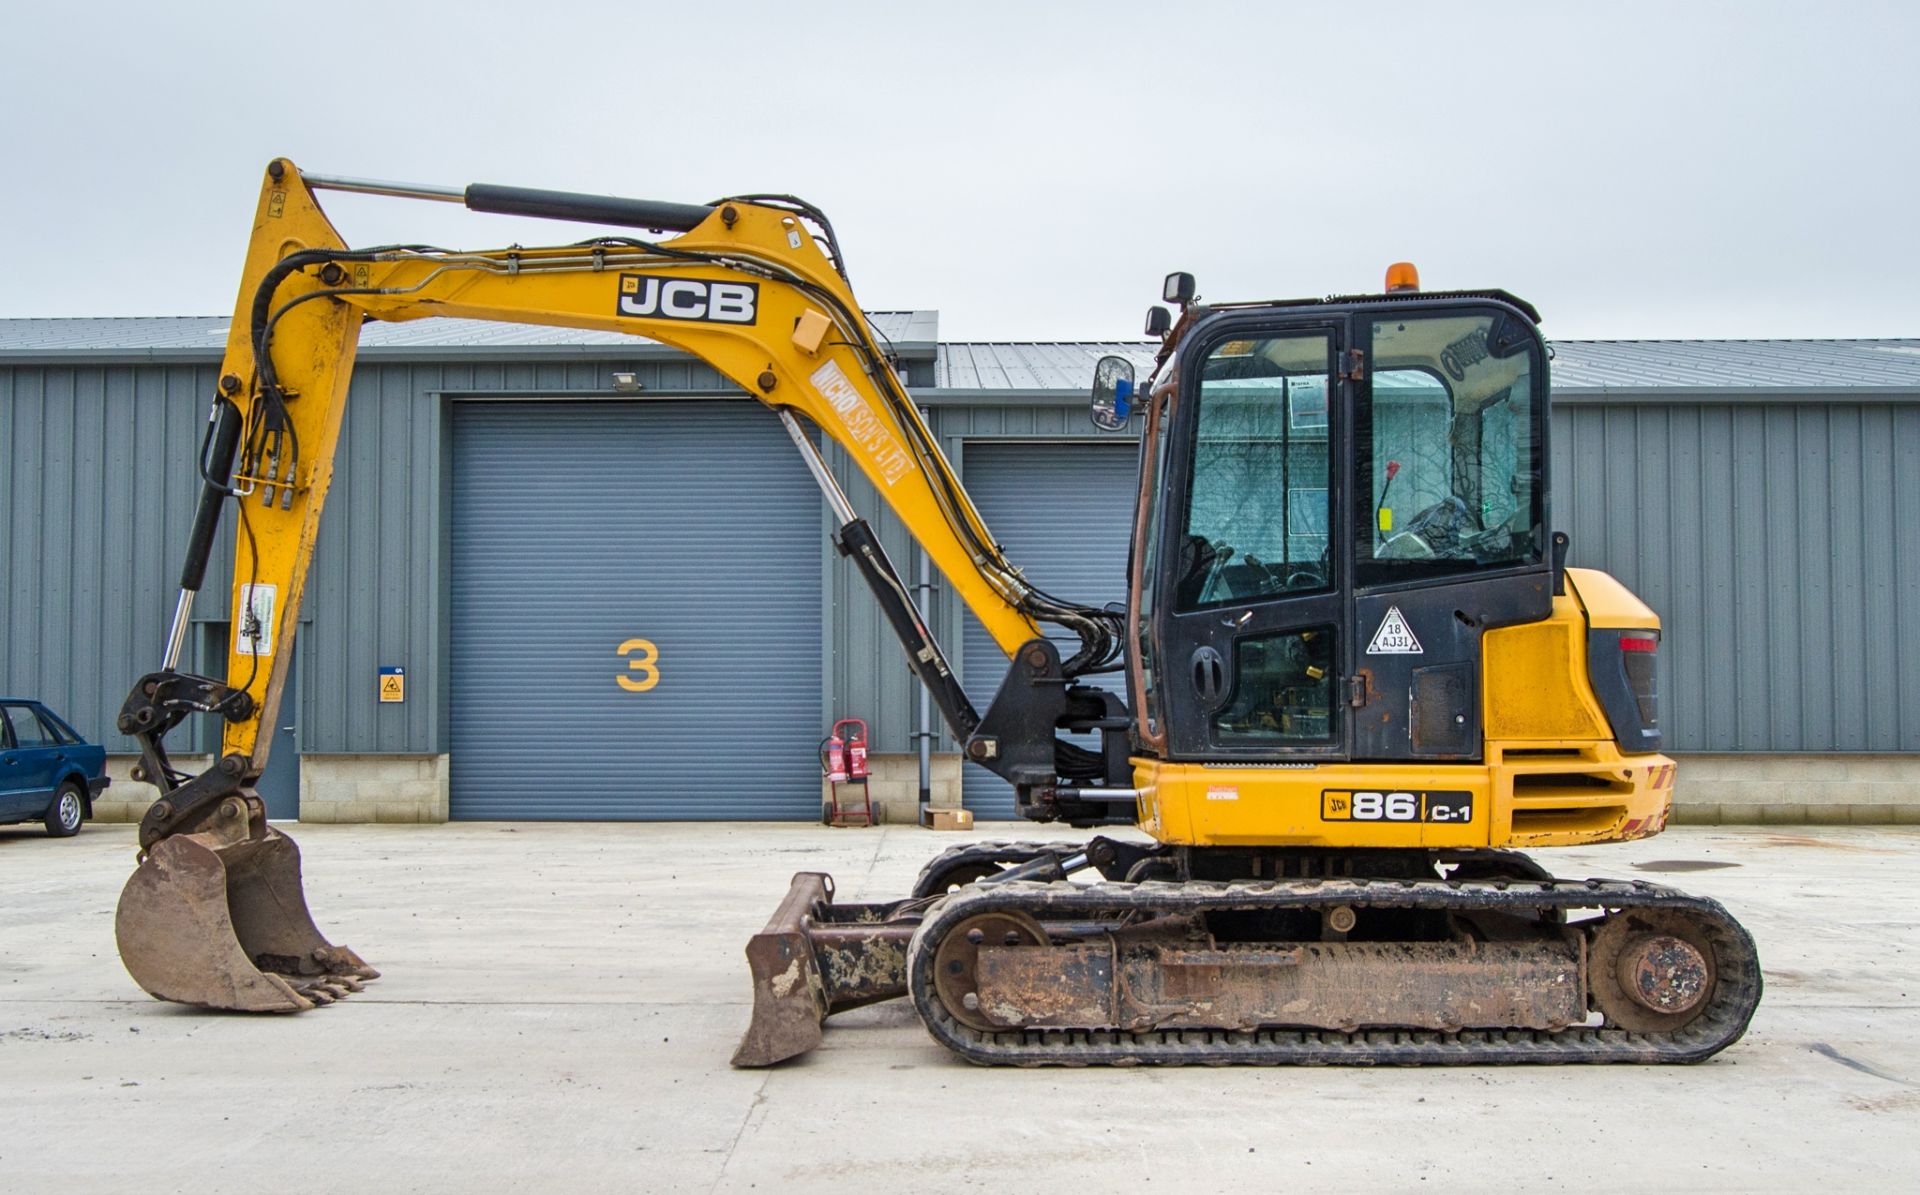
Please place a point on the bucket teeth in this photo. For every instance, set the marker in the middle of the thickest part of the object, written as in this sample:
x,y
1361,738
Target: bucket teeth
x,y
325,989
224,924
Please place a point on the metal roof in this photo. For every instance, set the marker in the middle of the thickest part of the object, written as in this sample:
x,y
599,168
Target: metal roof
x,y
912,333
1580,367
1593,368
1030,366
1804,366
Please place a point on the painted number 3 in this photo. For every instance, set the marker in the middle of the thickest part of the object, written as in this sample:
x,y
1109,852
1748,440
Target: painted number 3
x,y
644,658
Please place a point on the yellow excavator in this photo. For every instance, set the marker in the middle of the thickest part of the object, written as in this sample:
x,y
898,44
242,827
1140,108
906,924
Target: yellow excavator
x,y
1359,675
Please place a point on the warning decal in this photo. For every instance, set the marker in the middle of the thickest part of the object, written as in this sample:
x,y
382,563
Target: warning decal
x,y
1395,637
253,630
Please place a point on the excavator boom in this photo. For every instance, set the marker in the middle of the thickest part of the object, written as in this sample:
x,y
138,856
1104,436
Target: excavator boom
x,y
755,287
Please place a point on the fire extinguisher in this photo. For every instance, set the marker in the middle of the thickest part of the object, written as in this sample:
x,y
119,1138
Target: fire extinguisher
x,y
845,757
833,756
856,747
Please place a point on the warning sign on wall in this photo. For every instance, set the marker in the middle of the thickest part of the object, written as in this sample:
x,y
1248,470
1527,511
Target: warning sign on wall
x,y
1395,637
393,684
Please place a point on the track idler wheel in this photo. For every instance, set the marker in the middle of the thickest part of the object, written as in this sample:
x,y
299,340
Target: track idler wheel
x,y
1651,970
221,921
954,976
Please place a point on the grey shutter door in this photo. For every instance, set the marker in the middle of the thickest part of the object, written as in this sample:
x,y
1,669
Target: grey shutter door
x,y
580,527
1064,513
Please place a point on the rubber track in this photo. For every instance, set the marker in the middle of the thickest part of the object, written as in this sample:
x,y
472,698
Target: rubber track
x,y
1005,853
1736,994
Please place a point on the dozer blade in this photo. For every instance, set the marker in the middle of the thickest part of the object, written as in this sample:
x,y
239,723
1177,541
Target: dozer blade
x,y
225,925
816,958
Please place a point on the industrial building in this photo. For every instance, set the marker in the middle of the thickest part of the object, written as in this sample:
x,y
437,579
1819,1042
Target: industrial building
x,y
571,575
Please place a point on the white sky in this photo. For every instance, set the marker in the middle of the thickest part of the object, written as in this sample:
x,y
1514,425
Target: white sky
x,y
1030,170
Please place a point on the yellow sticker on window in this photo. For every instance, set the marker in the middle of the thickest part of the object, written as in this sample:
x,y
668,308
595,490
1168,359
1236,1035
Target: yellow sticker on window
x,y
1386,518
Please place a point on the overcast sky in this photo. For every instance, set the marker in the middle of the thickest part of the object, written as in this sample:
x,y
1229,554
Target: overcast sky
x,y
1030,170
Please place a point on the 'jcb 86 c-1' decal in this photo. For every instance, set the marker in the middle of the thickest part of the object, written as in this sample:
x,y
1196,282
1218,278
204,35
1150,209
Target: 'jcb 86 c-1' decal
x,y
1363,805
689,299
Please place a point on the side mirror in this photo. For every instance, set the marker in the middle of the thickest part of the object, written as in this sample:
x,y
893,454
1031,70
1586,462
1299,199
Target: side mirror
x,y
1178,288
1112,393
1159,319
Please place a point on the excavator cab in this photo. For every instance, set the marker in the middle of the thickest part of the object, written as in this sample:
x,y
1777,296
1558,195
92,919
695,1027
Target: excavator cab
x,y
1340,499
1357,670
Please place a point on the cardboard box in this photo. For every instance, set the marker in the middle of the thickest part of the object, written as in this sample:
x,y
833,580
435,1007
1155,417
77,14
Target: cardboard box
x,y
950,819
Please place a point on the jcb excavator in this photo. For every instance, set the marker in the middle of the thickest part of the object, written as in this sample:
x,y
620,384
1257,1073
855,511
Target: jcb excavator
x,y
1358,670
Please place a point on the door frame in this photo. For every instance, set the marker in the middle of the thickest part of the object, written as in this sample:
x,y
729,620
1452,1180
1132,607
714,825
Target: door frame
x,y
1180,635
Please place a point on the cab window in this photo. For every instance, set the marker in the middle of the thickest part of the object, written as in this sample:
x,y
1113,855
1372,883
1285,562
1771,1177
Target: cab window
x,y
1259,480
1448,447
1153,469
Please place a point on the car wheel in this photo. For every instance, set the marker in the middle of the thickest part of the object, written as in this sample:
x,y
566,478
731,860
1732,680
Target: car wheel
x,y
67,811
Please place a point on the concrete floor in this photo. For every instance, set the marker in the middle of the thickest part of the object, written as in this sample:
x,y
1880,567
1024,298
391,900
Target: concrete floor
x,y
559,1003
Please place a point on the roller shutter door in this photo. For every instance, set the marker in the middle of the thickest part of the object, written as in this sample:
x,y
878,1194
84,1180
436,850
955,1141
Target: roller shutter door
x,y
578,528
1063,512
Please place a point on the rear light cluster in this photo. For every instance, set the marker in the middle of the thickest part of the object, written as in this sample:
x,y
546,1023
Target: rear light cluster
x,y
1623,666
1639,659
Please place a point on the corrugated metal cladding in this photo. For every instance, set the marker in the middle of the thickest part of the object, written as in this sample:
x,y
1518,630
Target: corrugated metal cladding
x,y
95,470
868,675
635,613
1064,513
1780,544
1765,498
99,484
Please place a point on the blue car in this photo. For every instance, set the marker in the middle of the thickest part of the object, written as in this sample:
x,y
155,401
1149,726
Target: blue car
x,y
47,771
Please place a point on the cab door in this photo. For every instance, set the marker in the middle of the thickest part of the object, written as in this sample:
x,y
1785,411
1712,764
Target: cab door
x,y
1251,652
1449,444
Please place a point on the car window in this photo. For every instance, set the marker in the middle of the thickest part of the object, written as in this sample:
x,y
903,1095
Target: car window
x,y
27,731
56,730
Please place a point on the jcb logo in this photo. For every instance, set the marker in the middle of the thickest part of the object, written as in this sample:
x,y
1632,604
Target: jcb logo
x,y
689,299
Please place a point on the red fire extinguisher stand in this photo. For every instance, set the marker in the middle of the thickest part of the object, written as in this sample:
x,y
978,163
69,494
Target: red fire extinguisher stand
x,y
843,760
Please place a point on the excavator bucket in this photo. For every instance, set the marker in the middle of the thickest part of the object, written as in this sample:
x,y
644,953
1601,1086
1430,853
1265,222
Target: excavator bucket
x,y
816,958
220,923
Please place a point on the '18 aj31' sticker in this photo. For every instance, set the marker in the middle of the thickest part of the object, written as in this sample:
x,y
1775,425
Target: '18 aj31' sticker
x,y
1395,637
